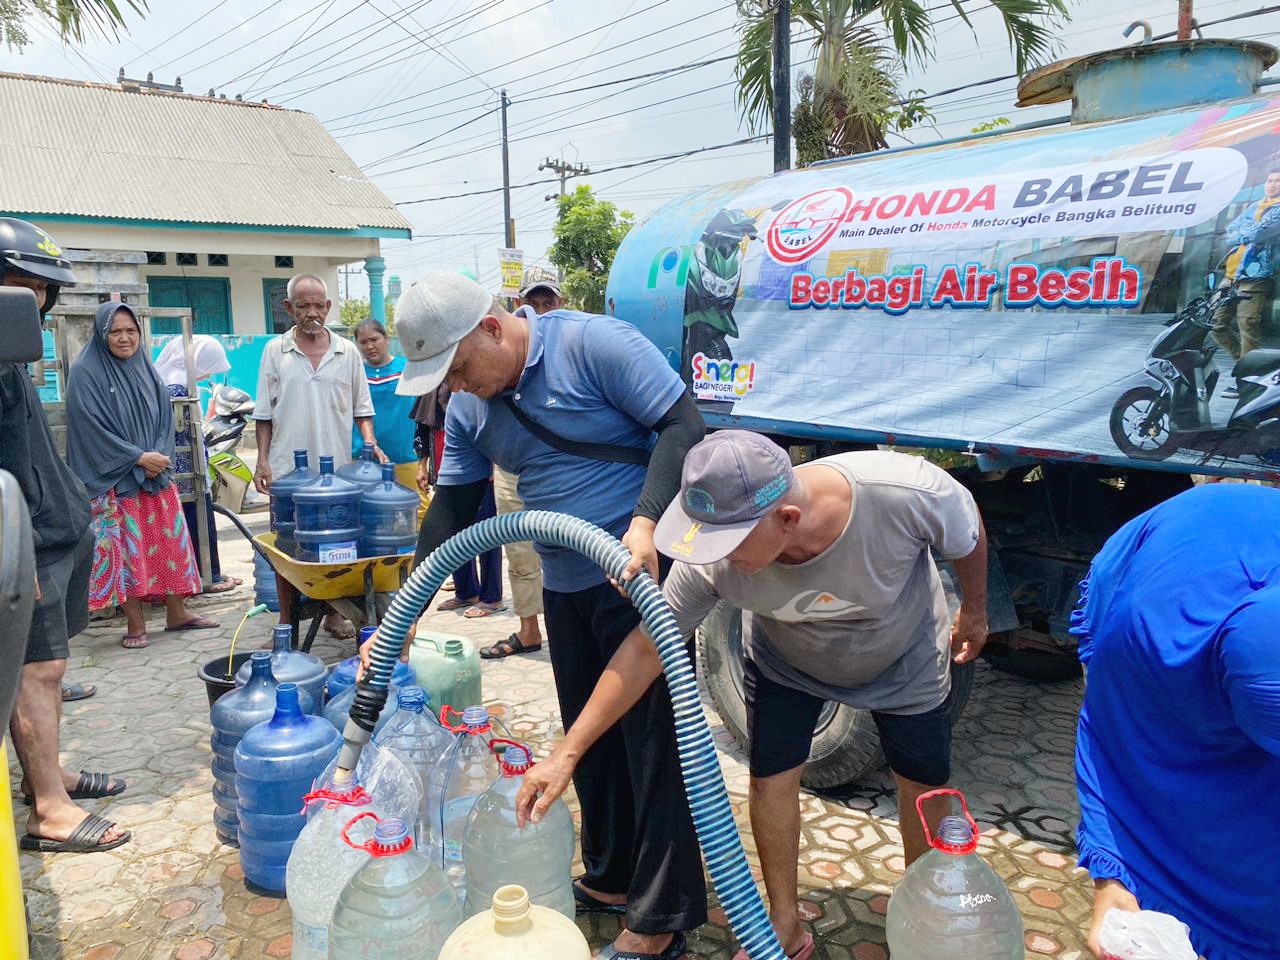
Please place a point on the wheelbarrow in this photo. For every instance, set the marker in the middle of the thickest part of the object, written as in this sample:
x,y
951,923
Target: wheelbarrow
x,y
360,590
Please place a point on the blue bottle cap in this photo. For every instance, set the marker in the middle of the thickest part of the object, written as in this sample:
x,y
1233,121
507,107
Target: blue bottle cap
x,y
475,717
954,831
365,634
300,458
412,698
390,833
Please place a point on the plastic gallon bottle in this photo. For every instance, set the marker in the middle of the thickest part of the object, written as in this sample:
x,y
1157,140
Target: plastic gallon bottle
x,y
364,471
457,780
276,762
516,928
950,905
385,776
293,666
448,668
231,717
343,674
415,736
398,906
264,583
321,863
388,517
326,517
497,852
282,491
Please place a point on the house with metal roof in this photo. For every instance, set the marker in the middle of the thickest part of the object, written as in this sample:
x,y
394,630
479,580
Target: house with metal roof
x,y
218,202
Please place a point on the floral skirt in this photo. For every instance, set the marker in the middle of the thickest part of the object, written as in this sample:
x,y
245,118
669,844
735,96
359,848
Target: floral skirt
x,y
141,549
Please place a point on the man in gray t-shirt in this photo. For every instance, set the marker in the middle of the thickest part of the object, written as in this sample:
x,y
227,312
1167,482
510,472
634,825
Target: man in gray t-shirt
x,y
833,564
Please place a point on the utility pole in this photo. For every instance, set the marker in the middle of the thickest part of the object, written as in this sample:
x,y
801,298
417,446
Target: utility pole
x,y
509,225
781,85
564,171
1184,19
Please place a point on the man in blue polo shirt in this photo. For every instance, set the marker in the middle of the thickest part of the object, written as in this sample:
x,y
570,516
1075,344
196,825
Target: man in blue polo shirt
x,y
596,424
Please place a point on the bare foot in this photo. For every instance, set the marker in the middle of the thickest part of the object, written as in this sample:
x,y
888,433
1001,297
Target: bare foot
x,y
339,626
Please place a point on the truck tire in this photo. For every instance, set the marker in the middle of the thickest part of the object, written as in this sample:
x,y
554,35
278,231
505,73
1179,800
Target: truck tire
x,y
1039,665
846,745
1156,441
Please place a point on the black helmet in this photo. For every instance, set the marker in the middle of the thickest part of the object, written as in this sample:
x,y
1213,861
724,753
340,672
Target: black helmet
x,y
28,249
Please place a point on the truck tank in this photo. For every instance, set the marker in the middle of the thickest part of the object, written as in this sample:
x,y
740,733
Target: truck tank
x,y
1043,298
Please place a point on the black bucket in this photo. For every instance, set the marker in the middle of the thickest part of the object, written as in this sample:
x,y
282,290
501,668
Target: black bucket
x,y
214,675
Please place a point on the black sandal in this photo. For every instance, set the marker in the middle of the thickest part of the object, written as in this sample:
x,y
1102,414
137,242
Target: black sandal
x,y
675,949
507,648
91,786
86,838
586,903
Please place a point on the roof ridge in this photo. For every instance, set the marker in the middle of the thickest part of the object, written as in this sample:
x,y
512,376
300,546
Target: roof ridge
x,y
133,88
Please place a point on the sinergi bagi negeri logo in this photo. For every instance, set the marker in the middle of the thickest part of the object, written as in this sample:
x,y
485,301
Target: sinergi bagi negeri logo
x,y
804,226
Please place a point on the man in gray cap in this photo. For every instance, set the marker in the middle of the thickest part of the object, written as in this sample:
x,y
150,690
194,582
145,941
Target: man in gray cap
x,y
595,423
832,564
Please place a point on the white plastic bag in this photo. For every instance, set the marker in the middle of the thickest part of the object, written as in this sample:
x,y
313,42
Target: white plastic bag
x,y
1145,935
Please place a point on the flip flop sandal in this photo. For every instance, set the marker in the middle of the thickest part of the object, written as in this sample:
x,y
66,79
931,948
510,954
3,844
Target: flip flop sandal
x,y
480,610
195,623
804,953
457,603
225,585
586,903
674,951
86,838
513,647
77,691
91,786
139,640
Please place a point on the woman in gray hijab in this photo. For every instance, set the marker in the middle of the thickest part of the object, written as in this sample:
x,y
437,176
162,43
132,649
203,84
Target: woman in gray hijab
x,y
120,443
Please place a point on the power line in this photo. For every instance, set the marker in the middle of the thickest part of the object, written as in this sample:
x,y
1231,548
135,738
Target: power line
x,y
207,43
294,43
173,36
425,41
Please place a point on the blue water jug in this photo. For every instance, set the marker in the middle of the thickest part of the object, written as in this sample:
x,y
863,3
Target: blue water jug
x,y
343,674
293,666
282,511
327,517
388,517
264,583
232,715
276,762
364,471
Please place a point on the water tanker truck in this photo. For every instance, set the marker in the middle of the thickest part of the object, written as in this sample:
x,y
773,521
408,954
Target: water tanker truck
x,y
1084,307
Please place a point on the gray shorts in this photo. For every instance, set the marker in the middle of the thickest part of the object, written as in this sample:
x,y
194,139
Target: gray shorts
x,y
63,608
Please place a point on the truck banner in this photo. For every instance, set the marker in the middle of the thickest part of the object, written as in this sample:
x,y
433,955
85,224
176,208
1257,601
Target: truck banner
x,y
1103,291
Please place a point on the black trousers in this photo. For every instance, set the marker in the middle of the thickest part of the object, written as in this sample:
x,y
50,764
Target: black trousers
x,y
637,832
193,527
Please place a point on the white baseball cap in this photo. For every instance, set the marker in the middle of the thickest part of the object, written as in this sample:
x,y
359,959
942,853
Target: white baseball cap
x,y
432,317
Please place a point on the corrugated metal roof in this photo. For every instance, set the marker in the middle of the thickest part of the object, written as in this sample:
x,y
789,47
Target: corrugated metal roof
x,y
99,150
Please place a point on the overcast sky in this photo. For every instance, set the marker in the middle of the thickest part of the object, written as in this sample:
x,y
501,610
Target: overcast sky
x,y
410,90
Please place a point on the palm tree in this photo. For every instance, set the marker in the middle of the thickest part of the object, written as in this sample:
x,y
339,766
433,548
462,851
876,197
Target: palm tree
x,y
73,19
852,99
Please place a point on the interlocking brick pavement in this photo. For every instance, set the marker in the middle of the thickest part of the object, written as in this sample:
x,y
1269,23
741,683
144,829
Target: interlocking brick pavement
x,y
175,893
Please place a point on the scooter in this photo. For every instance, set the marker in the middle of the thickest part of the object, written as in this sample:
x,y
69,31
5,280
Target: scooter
x,y
231,479
1154,422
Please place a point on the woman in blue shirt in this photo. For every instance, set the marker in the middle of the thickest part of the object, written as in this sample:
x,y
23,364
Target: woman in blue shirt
x,y
1178,747
393,424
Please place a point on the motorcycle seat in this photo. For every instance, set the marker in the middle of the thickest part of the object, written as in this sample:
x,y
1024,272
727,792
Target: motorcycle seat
x,y
1255,362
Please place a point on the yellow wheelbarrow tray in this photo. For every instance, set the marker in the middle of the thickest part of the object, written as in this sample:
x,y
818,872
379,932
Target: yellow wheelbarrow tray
x,y
337,581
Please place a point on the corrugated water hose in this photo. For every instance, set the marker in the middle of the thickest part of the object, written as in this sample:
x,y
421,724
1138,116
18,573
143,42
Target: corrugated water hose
x,y
704,786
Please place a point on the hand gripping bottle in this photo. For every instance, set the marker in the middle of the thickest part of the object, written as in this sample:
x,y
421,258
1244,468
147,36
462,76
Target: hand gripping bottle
x,y
321,864
457,780
398,906
292,666
516,928
417,738
344,673
950,905
497,852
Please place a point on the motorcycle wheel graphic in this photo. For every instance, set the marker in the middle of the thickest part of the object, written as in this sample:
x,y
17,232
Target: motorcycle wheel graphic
x,y
1140,425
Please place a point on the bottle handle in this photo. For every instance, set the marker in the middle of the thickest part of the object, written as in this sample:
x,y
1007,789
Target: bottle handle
x,y
357,797
933,841
461,727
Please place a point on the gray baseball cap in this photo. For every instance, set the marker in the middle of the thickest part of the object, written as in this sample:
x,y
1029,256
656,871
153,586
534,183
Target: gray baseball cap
x,y
535,277
729,483
432,317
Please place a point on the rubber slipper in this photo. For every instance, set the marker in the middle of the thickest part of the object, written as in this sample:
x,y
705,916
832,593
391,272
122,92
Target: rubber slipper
x,y
77,691
480,610
675,949
139,640
195,623
513,647
91,786
86,838
225,585
586,903
457,603
804,953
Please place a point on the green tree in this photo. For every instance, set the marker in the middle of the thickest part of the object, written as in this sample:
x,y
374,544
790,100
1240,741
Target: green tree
x,y
352,311
587,233
73,19
852,101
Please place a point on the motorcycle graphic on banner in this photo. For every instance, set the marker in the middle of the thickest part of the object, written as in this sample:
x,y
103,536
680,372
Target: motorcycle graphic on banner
x,y
1105,291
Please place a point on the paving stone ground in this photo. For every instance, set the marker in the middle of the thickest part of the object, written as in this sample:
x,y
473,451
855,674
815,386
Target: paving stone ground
x,y
175,893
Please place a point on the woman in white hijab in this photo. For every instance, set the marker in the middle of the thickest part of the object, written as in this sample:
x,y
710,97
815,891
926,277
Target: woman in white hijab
x,y
209,358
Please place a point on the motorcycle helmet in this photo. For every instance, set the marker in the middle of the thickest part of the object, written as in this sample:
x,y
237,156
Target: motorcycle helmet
x,y
27,249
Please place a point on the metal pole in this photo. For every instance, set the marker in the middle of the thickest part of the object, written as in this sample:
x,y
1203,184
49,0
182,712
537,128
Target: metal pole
x,y
782,85
1184,19
199,468
509,225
